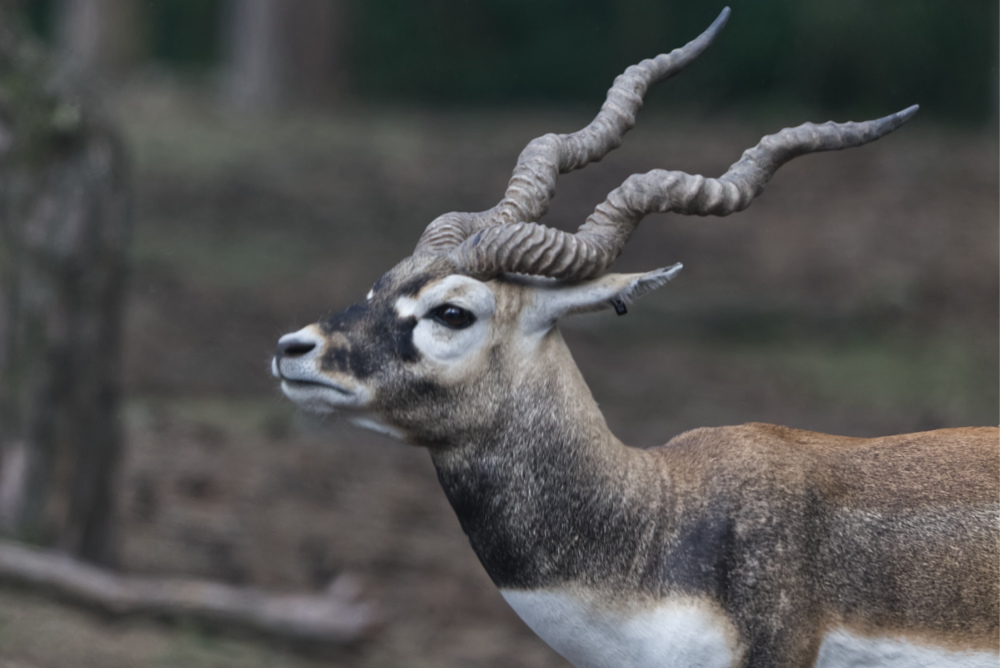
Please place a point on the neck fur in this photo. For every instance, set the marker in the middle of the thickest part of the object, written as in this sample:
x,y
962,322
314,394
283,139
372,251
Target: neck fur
x,y
539,496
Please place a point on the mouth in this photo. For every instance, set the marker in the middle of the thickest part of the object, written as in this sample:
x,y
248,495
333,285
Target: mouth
x,y
320,397
316,393
293,383
302,383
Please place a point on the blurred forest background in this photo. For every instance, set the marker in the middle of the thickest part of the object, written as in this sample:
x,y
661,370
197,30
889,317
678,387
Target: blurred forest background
x,y
285,153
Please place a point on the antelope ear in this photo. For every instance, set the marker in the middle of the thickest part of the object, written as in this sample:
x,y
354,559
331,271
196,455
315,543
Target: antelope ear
x,y
609,291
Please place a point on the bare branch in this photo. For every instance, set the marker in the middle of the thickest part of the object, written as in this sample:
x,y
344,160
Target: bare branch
x,y
333,617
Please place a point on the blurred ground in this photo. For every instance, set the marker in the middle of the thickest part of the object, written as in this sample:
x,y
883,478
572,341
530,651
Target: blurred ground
x,y
858,296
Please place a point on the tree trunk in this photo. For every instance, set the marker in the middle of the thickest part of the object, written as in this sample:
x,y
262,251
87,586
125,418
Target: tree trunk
x,y
282,52
315,37
101,38
64,215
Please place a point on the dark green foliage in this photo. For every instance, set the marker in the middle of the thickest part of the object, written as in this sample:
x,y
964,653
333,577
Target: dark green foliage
x,y
185,33
847,56
39,16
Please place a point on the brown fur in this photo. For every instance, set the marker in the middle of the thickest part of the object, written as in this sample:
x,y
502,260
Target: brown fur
x,y
898,503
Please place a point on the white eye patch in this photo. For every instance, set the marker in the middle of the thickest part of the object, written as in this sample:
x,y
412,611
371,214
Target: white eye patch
x,y
440,343
437,341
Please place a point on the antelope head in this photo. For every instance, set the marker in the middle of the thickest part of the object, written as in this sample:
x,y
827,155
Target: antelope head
x,y
454,337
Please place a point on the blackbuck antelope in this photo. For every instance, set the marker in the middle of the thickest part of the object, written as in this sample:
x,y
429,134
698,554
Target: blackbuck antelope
x,y
755,545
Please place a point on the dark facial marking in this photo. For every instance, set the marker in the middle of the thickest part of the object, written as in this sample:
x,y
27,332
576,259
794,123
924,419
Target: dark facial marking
x,y
335,359
404,340
378,337
413,287
380,284
346,320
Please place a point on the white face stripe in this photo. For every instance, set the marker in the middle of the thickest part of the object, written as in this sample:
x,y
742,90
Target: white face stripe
x,y
455,289
408,307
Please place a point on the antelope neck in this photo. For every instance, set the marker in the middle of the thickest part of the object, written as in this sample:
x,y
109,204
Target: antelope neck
x,y
553,498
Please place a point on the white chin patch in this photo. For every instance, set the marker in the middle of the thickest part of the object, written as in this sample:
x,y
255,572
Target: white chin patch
x,y
374,424
318,398
307,398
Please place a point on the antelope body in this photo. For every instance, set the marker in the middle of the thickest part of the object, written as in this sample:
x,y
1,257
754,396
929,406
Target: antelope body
x,y
748,546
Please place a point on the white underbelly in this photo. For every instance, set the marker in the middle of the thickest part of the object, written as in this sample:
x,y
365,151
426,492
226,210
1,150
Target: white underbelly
x,y
687,632
842,649
679,632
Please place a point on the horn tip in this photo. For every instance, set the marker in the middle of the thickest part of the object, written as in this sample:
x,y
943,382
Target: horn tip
x,y
719,23
907,114
891,122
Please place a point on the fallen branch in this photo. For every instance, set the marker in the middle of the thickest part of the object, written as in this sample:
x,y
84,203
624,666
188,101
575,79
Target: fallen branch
x,y
333,617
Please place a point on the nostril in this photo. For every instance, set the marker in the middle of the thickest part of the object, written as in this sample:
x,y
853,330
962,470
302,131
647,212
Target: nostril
x,y
294,348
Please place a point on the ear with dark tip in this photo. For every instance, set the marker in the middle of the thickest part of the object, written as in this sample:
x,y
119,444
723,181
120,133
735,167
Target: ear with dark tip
x,y
651,280
611,290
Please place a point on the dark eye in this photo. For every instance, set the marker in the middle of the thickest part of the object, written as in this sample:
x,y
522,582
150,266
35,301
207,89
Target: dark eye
x,y
452,316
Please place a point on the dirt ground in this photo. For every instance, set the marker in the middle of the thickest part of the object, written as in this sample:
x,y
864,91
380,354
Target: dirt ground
x,y
858,296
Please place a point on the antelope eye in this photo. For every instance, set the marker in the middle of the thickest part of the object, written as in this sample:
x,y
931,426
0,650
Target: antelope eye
x,y
453,316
